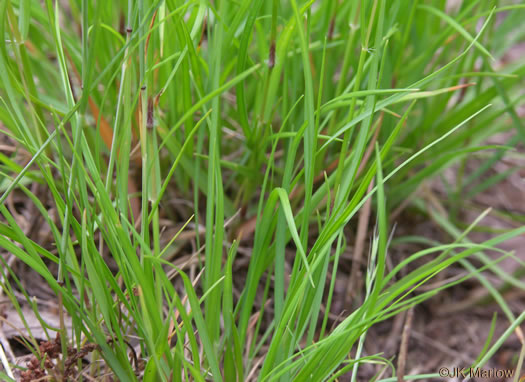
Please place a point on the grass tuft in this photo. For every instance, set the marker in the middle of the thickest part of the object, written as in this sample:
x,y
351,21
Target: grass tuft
x,y
181,182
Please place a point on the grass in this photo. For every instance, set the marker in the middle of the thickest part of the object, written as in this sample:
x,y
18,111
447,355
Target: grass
x,y
247,138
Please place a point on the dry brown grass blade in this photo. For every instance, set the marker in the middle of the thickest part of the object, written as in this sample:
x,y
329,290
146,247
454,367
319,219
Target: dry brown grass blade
x,y
362,228
149,33
461,86
364,217
106,132
403,348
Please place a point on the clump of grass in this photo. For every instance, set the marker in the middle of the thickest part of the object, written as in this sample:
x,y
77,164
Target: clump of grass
x,y
202,161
